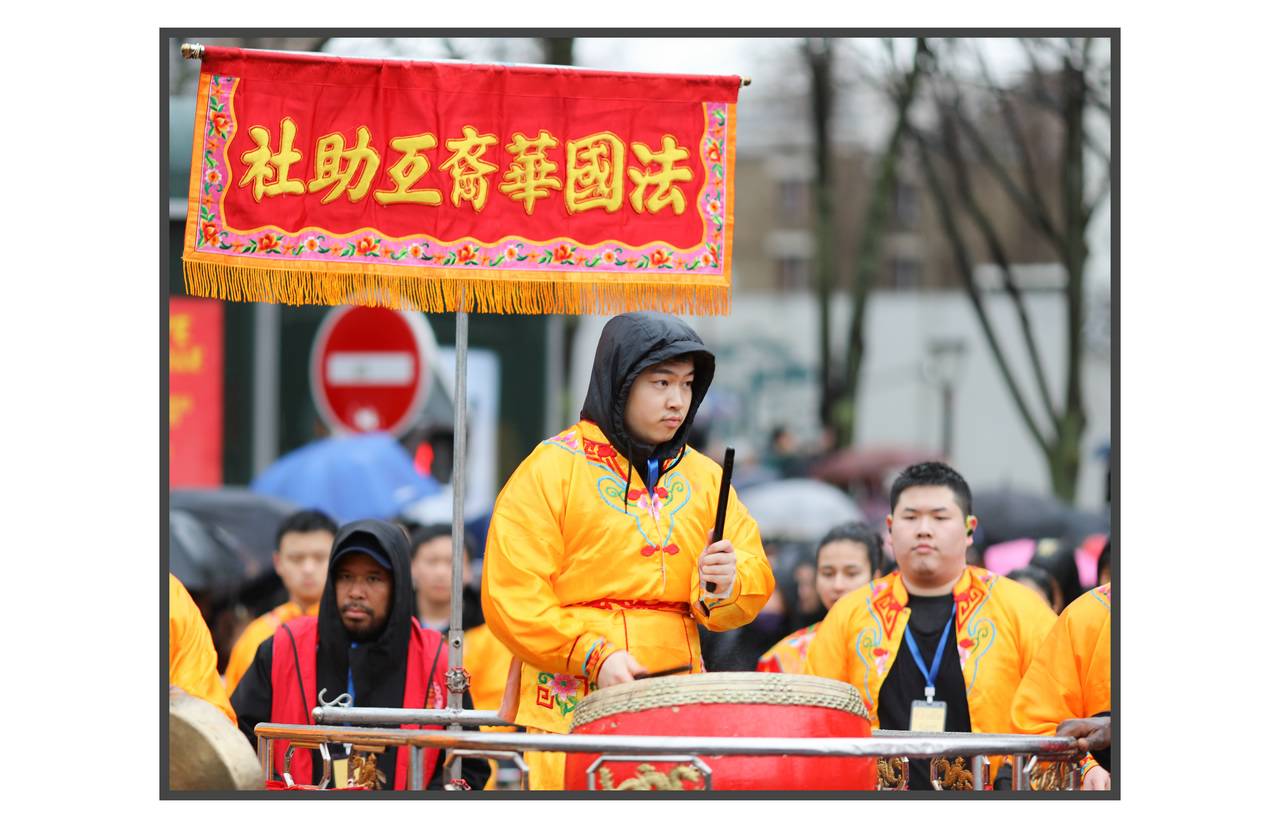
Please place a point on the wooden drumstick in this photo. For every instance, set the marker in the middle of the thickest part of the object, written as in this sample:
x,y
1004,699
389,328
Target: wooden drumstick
x,y
722,505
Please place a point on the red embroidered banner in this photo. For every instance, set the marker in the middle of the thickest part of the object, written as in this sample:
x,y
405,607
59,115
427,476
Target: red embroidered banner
x,y
195,393
324,180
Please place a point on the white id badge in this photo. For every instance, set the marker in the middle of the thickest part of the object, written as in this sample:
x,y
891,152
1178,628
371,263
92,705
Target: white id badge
x,y
928,716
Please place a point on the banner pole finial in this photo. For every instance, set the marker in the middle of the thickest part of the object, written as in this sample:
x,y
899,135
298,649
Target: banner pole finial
x,y
193,51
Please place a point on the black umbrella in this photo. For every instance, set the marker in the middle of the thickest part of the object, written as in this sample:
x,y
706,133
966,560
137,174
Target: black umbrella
x,y
199,559
223,537
1005,515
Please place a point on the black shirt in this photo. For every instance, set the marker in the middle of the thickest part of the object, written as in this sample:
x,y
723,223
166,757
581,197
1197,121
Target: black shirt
x,y
905,683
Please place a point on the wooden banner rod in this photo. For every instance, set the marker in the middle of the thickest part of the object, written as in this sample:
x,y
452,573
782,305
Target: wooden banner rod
x,y
195,51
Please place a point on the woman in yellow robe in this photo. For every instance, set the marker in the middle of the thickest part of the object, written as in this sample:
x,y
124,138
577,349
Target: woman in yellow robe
x,y
588,561
848,557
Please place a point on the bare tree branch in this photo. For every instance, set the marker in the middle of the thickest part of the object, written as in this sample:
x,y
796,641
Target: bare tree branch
x,y
960,173
1103,104
1043,95
1063,78
1073,217
1039,208
451,49
819,58
964,264
1093,145
1095,200
1035,213
867,256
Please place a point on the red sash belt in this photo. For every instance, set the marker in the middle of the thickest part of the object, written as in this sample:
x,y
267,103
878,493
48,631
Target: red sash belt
x,y
681,607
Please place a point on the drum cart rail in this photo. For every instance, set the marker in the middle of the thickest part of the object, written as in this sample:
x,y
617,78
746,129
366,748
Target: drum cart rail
x,y
377,728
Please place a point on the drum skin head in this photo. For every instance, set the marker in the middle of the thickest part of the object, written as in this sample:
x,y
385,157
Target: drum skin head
x,y
206,751
769,689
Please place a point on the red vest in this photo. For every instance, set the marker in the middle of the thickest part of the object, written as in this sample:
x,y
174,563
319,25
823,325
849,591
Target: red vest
x,y
420,691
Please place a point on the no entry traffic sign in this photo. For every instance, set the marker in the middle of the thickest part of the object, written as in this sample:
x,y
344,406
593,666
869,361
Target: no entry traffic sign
x,y
371,369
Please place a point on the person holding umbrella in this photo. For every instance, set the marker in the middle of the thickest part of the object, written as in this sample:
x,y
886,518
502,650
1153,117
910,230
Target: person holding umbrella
x,y
598,567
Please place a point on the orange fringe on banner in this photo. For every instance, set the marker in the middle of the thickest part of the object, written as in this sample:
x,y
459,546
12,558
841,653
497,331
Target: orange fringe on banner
x,y
215,276
437,292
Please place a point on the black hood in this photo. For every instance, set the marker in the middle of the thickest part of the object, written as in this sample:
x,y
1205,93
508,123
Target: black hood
x,y
378,667
630,343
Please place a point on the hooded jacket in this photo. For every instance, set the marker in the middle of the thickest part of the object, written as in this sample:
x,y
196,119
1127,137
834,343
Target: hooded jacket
x,y
630,343
585,557
378,668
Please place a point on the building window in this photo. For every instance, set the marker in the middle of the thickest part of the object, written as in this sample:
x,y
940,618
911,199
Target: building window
x,y
793,273
906,206
905,274
793,198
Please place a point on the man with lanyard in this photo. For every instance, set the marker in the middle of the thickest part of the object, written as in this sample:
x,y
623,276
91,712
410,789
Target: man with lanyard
x,y
966,635
364,649
598,559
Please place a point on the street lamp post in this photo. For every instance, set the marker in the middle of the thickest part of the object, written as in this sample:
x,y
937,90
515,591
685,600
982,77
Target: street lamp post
x,y
943,367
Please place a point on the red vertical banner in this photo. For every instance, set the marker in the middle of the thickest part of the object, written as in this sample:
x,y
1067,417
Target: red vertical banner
x,y
195,393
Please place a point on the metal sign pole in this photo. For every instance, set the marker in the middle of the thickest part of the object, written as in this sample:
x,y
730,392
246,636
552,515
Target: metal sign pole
x,y
457,678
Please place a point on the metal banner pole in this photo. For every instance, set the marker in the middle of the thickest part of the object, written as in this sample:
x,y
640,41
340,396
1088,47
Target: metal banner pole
x,y
457,678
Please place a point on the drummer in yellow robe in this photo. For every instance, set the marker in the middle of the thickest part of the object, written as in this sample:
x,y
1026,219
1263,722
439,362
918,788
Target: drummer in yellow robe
x,y
1070,677
848,557
936,631
193,662
597,557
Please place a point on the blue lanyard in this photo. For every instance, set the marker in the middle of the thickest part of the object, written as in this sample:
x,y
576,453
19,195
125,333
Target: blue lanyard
x,y
653,475
930,675
351,681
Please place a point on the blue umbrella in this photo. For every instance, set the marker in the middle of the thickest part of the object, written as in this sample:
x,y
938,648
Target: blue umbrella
x,y
351,477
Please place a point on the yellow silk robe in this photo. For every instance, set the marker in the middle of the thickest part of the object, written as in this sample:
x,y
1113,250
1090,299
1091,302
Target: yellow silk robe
x,y
487,661
787,656
999,626
560,538
258,631
193,662
1070,677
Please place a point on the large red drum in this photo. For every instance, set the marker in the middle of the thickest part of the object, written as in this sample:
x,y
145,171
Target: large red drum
x,y
725,704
